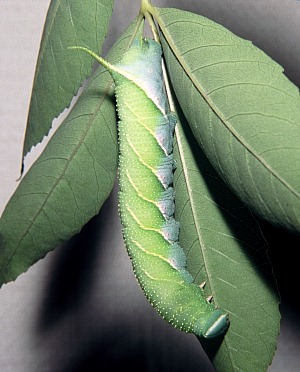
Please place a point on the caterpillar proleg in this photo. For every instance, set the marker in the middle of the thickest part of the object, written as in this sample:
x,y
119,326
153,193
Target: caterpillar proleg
x,y
146,196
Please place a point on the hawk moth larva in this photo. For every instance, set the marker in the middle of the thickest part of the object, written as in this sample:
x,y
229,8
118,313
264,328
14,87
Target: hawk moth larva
x,y
146,196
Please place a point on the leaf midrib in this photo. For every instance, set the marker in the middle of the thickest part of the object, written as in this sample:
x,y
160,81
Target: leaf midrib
x,y
192,202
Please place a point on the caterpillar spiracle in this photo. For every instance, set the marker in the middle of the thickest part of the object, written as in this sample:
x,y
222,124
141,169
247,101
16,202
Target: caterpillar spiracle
x,y
146,196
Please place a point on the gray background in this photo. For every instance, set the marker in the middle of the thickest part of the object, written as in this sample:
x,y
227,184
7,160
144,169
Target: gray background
x,y
81,305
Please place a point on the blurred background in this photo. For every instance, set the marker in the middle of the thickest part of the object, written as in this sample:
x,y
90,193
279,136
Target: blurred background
x,y
80,309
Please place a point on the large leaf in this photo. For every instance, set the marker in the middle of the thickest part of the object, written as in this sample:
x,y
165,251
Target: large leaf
x,y
58,74
69,182
225,249
242,110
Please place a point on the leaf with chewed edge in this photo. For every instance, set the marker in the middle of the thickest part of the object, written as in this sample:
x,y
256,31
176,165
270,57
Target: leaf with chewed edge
x,y
69,182
58,74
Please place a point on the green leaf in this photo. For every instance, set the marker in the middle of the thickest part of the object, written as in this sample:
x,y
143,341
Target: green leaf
x,y
225,249
70,180
243,112
58,74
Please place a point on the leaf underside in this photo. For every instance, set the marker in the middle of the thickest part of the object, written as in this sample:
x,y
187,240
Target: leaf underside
x,y
242,110
58,74
225,249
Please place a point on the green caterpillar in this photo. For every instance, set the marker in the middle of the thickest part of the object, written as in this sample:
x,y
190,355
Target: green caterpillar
x,y
146,196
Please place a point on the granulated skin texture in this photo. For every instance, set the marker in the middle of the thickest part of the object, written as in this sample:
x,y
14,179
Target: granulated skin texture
x,y
146,196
